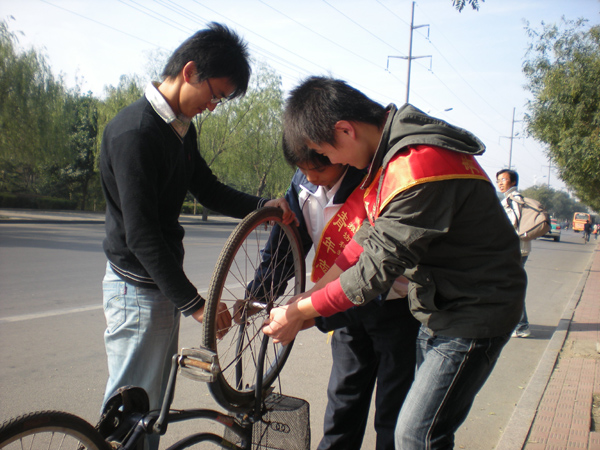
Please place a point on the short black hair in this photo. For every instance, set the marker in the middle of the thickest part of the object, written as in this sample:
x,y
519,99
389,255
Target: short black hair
x,y
217,52
317,104
514,176
305,157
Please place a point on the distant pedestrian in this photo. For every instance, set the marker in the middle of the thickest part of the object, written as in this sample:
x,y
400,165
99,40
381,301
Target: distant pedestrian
x,y
587,230
507,183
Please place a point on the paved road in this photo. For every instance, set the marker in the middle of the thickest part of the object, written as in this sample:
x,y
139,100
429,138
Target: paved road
x,y
51,327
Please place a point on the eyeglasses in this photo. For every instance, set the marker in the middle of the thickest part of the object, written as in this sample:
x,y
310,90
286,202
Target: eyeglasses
x,y
214,100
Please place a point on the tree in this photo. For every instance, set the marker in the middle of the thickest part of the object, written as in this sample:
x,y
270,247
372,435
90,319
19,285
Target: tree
x,y
558,204
32,125
156,60
83,138
562,67
129,89
460,4
57,153
241,141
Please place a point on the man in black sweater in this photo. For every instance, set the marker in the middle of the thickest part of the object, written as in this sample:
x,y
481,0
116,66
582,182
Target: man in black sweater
x,y
149,161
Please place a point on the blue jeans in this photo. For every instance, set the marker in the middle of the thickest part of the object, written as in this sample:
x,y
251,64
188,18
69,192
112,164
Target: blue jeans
x,y
450,373
141,337
524,322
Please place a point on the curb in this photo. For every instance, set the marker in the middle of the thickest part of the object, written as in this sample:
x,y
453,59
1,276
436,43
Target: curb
x,y
47,221
91,221
14,216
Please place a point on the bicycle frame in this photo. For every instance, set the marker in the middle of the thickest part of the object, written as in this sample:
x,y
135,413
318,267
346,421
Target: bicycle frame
x,y
204,367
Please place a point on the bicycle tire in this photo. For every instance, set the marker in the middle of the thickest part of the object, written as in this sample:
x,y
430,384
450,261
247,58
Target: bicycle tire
x,y
235,385
50,430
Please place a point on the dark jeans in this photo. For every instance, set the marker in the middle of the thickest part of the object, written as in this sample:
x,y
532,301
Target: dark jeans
x,y
378,345
450,373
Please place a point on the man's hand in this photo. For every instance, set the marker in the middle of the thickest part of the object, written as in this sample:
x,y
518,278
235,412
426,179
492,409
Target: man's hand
x,y
285,322
223,319
288,215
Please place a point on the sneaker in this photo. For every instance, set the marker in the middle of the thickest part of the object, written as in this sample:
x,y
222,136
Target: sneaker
x,y
522,333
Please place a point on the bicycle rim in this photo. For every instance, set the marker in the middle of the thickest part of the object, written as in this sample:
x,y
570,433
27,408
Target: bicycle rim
x,y
50,430
238,350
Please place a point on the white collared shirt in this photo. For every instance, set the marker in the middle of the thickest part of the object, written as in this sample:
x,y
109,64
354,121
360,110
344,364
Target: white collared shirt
x,y
180,123
318,208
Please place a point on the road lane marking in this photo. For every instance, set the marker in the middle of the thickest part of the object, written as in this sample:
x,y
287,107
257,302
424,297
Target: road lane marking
x,y
43,315
62,312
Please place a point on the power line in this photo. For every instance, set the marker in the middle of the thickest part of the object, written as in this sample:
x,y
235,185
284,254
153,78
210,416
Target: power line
x,y
104,25
449,42
361,27
393,13
161,18
320,35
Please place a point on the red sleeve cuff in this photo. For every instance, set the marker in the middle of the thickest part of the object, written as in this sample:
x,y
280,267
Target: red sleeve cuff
x,y
349,255
331,299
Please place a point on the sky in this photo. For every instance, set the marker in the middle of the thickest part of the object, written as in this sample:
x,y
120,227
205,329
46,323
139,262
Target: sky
x,y
466,67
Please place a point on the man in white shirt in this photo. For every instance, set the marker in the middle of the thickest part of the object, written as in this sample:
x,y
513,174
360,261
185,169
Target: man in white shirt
x,y
507,184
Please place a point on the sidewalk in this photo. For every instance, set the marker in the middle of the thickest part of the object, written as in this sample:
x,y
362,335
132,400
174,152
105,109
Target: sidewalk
x,y
558,406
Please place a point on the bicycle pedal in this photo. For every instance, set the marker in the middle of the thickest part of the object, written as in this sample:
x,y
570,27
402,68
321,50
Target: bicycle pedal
x,y
200,364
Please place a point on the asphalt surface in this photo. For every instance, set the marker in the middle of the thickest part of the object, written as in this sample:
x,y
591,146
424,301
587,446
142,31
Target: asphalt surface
x,y
556,409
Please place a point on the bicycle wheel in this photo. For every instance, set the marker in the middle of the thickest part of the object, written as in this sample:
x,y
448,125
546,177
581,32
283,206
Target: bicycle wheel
x,y
50,430
249,301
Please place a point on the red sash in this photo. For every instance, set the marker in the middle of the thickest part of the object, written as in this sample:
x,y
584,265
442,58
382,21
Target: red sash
x,y
419,164
337,233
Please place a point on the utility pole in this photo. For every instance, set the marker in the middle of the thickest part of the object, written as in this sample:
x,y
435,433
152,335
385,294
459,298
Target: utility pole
x,y
512,137
512,130
549,169
410,57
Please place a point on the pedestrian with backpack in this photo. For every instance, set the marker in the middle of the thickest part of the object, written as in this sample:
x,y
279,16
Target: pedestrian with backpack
x,y
508,181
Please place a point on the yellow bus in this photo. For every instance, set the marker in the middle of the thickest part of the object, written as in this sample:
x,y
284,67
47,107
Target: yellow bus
x,y
579,220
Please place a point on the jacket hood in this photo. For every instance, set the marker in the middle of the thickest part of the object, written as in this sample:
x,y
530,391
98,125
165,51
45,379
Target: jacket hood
x,y
411,126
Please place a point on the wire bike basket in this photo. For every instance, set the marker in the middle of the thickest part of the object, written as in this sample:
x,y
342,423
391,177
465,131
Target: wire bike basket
x,y
284,426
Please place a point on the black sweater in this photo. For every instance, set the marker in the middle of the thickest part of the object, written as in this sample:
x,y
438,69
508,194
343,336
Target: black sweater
x,y
146,170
